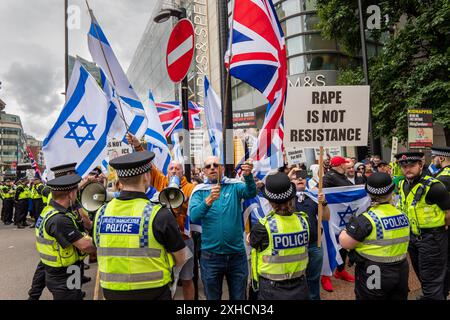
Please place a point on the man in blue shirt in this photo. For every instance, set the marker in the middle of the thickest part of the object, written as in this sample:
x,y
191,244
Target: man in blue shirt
x,y
217,207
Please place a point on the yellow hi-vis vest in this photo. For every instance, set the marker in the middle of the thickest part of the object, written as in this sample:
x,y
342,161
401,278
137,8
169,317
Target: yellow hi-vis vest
x,y
443,172
50,251
129,257
25,194
286,256
388,241
420,214
34,193
8,192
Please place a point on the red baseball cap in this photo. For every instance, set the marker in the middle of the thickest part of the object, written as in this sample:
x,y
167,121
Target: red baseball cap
x,y
337,161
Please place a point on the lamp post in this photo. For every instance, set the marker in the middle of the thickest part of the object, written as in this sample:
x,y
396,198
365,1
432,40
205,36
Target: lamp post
x,y
163,16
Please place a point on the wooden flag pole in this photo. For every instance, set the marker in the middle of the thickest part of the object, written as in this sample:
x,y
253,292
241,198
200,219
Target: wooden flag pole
x,y
319,219
97,285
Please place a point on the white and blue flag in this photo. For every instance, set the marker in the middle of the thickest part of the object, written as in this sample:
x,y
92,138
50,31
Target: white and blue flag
x,y
213,113
80,133
103,55
155,137
343,203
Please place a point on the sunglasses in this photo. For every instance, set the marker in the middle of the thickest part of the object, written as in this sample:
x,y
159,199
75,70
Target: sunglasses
x,y
209,166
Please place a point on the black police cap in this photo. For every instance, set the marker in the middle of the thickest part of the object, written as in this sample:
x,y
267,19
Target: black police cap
x,y
409,157
65,183
133,164
379,184
440,152
64,169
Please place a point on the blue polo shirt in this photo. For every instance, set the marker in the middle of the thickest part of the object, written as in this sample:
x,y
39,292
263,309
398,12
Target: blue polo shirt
x,y
222,223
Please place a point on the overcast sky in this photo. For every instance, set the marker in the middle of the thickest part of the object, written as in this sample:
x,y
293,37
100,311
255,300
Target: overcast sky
x,y
32,51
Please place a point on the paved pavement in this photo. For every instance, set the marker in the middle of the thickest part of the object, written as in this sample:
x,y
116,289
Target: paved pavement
x,y
19,259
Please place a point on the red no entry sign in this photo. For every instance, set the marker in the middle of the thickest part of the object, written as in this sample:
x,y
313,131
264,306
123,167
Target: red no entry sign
x,y
180,50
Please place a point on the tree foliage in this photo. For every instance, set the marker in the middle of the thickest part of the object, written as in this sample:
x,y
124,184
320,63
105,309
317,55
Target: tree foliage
x,y
412,69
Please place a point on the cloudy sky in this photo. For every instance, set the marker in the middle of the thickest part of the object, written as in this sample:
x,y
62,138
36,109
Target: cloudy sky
x,y
32,50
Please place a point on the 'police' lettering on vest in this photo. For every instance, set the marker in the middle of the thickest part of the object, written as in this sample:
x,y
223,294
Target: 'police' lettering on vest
x,y
120,225
290,240
396,222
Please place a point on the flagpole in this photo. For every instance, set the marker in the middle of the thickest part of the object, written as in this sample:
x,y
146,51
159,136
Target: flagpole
x,y
227,102
66,45
320,207
107,64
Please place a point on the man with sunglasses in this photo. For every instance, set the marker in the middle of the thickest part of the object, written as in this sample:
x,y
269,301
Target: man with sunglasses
x,y
216,205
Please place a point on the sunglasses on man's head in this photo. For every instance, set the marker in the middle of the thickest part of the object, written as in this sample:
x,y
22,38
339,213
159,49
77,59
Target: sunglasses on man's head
x,y
209,166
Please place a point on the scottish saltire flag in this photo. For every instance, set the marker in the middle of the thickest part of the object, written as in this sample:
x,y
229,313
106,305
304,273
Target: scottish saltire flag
x,y
213,113
156,141
103,55
104,166
343,203
34,165
257,56
80,133
172,119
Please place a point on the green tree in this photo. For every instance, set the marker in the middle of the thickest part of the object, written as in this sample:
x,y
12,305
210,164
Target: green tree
x,y
412,69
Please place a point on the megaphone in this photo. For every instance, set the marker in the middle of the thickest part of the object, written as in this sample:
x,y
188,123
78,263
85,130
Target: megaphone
x,y
172,196
95,195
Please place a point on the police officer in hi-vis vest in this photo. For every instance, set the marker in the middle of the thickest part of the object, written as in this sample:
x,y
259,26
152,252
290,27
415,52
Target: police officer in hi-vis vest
x,y
137,241
280,245
59,240
426,202
379,238
441,160
8,194
38,283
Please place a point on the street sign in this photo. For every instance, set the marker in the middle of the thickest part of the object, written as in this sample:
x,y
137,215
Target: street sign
x,y
334,116
420,128
180,50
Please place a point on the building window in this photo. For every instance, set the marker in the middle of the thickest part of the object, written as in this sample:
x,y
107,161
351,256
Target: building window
x,y
295,46
321,62
309,5
316,42
296,65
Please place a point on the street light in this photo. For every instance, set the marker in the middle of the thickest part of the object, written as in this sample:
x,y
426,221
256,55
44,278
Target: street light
x,y
163,16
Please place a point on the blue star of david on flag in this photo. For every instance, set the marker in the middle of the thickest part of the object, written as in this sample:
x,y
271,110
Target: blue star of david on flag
x,y
343,214
82,123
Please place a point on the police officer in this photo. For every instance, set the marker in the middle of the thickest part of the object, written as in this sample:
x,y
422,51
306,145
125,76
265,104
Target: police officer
x,y
426,202
21,204
38,282
8,202
59,240
36,199
379,238
441,160
136,240
280,245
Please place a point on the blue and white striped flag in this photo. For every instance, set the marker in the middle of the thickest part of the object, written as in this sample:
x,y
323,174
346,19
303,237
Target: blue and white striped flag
x,y
104,56
343,202
80,133
213,113
155,138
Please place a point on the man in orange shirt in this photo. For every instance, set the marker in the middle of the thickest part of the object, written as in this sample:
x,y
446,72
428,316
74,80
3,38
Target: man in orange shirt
x,y
159,181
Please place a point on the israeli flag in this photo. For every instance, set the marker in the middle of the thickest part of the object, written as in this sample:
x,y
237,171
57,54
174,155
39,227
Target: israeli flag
x,y
155,138
103,55
343,203
80,133
213,113
268,163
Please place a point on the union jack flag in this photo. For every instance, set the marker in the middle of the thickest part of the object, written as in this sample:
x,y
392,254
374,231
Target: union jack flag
x,y
172,118
34,164
257,56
